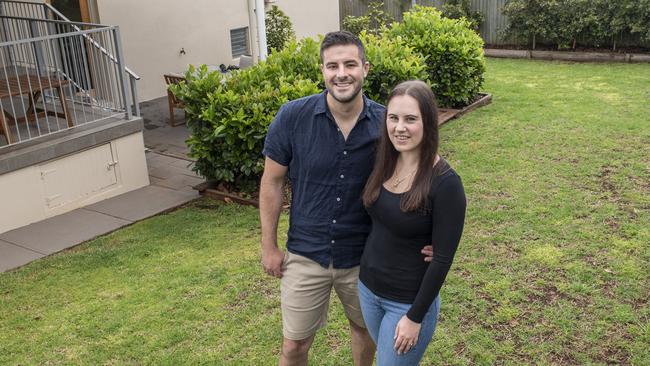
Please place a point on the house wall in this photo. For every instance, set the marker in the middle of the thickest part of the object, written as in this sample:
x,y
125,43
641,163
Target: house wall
x,y
154,31
57,186
310,18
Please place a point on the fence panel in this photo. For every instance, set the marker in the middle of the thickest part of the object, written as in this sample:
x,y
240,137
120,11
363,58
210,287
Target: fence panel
x,y
493,24
491,9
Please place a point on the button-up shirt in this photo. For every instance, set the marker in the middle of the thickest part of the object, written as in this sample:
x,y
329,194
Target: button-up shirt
x,y
328,223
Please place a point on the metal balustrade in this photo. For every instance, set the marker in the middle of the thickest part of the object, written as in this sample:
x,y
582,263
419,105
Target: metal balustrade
x,y
56,74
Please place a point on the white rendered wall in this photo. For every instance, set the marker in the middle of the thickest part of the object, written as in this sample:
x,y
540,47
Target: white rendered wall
x,y
28,195
310,17
154,31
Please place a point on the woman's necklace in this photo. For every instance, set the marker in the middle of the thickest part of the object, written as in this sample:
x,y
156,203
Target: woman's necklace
x,y
399,181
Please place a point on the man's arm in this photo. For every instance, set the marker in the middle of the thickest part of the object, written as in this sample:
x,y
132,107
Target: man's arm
x,y
271,192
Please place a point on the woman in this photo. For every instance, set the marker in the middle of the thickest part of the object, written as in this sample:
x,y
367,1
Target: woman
x,y
413,197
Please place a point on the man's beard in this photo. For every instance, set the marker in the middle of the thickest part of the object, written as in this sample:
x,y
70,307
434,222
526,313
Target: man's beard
x,y
349,98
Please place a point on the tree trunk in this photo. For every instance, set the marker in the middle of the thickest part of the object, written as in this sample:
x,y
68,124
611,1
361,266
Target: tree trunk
x,y
574,44
533,40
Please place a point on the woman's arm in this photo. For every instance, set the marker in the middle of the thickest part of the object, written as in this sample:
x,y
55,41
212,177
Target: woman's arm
x,y
448,218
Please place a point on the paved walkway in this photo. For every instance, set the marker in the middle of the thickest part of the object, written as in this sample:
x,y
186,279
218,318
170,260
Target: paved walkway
x,y
171,180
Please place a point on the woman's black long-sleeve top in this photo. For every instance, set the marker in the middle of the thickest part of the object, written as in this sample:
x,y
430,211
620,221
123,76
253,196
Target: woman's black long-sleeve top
x,y
392,265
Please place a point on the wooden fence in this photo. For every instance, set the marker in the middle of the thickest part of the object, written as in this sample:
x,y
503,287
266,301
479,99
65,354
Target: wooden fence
x,y
491,29
491,9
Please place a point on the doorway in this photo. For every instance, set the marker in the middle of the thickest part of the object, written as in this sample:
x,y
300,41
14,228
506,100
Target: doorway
x,y
75,10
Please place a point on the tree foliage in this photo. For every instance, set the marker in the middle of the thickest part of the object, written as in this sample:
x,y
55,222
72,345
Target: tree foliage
x,y
567,23
456,9
279,30
373,22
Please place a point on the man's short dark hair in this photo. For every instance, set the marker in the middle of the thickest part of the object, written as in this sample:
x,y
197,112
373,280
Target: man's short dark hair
x,y
342,38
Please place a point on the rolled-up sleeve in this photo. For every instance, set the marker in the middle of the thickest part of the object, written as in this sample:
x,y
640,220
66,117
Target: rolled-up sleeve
x,y
277,145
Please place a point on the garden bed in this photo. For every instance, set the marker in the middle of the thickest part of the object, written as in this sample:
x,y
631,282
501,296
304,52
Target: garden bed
x,y
213,189
446,114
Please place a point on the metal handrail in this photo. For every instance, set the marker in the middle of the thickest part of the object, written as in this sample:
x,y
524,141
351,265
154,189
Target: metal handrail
x,y
65,19
58,35
73,24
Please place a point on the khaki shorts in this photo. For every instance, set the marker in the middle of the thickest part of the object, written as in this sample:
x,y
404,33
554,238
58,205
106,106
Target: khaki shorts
x,y
305,290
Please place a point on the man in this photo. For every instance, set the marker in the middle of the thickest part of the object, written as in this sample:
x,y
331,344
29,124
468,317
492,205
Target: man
x,y
325,142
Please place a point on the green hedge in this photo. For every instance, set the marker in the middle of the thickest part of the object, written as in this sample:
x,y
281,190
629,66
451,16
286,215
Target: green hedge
x,y
391,62
454,53
229,115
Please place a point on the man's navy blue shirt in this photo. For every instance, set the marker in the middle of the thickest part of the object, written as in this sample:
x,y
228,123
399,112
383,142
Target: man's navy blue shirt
x,y
328,223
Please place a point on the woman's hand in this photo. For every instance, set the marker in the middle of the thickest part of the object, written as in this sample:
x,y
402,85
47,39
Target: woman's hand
x,y
406,335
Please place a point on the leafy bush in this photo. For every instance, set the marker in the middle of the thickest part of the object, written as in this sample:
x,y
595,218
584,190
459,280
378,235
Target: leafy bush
x,y
456,9
454,53
229,115
279,30
299,59
373,22
391,62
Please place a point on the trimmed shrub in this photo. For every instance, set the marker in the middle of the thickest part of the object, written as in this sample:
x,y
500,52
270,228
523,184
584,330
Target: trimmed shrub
x,y
454,53
229,115
299,59
279,30
391,62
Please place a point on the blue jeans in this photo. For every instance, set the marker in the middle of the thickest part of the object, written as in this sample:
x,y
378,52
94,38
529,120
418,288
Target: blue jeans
x,y
381,317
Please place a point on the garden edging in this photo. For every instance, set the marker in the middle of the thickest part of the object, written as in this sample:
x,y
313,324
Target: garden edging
x,y
568,55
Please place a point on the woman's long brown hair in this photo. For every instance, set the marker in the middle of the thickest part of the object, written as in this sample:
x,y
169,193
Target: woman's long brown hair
x,y
414,199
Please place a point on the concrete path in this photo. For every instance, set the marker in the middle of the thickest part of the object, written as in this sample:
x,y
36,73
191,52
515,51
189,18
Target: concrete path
x,y
171,180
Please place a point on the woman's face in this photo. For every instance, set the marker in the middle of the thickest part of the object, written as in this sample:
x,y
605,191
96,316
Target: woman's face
x,y
404,123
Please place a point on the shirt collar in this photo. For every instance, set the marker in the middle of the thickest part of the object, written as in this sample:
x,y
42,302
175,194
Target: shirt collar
x,y
321,106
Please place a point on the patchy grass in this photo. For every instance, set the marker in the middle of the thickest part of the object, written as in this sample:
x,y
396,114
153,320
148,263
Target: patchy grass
x,y
552,269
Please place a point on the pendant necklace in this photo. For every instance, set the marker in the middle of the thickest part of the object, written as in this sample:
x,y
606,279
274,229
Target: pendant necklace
x,y
399,181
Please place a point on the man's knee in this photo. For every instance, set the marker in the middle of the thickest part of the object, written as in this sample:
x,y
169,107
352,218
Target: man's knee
x,y
296,348
357,329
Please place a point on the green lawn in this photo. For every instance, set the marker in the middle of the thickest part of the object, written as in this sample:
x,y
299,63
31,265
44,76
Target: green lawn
x,y
553,267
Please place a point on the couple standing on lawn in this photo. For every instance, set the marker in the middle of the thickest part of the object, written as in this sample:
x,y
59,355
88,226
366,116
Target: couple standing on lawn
x,y
359,228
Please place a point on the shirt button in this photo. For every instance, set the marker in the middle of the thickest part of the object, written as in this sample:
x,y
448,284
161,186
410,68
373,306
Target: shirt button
x,y
345,152
333,241
342,176
333,221
338,199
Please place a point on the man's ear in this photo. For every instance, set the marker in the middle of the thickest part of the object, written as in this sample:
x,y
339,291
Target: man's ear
x,y
366,69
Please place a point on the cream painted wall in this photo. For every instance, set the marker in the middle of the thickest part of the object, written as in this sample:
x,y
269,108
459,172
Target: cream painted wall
x,y
25,196
310,17
154,31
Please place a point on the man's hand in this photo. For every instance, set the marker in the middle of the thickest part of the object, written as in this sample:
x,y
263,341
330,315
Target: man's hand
x,y
406,335
428,253
272,261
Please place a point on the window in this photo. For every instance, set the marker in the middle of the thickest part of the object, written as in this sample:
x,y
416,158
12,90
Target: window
x,y
239,42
